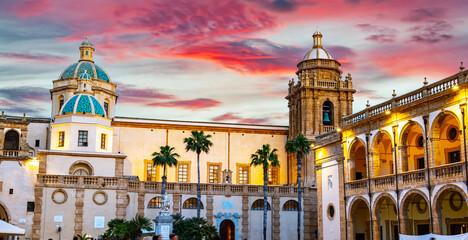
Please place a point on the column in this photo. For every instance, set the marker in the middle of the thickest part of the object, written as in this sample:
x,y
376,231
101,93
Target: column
x,y
79,196
245,217
307,219
36,227
275,215
119,167
121,205
350,229
141,204
209,209
376,228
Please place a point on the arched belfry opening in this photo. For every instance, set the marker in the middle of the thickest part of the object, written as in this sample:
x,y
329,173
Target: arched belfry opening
x,y
11,140
327,113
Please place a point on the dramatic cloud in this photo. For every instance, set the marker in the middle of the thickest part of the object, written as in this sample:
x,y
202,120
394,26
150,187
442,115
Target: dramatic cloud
x,y
33,57
129,93
422,14
379,34
431,32
230,117
25,95
194,104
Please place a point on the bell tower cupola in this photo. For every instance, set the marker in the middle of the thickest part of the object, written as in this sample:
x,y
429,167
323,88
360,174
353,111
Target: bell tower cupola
x,y
86,51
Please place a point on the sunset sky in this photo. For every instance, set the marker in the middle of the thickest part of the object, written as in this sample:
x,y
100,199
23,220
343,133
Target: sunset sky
x,y
227,61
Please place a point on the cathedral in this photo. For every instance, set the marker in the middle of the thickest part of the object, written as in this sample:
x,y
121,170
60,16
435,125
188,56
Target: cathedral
x,y
397,167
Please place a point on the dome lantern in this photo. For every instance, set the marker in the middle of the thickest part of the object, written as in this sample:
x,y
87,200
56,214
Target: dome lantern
x,y
317,52
317,39
86,51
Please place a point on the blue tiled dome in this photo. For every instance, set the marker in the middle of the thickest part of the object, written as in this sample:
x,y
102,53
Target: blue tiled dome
x,y
83,104
85,75
93,70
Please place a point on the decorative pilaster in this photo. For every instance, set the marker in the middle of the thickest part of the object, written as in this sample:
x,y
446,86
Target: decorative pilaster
x,y
119,167
176,203
376,228
209,209
245,217
121,204
141,204
36,227
275,215
79,196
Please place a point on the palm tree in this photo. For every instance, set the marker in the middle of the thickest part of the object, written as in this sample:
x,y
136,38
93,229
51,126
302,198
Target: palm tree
x,y
198,142
83,237
166,157
264,157
299,146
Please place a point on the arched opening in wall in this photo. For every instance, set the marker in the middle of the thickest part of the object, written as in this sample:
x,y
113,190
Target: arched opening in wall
x,y
291,205
386,215
451,210
412,148
191,203
61,101
327,113
11,140
382,155
357,166
155,202
446,139
359,221
81,168
227,230
3,214
415,214
258,205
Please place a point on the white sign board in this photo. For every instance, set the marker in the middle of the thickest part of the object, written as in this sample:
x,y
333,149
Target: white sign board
x,y
99,221
58,218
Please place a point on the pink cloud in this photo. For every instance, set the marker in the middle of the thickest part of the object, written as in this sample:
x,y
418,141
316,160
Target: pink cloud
x,y
237,118
194,104
33,57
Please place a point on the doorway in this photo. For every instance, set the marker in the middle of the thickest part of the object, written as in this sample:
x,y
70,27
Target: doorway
x,y
3,214
227,230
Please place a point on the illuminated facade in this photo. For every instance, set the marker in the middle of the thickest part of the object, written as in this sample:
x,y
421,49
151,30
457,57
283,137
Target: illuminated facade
x,y
397,167
85,166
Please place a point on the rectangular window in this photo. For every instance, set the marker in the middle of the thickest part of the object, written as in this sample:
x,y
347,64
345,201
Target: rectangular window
x,y
61,140
243,175
30,207
273,176
421,163
213,171
454,156
182,172
82,138
150,171
103,140
60,104
106,108
38,142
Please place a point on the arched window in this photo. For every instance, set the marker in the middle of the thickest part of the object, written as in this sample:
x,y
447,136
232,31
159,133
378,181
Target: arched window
x,y
81,168
327,113
60,102
291,205
191,203
258,205
155,203
106,107
11,140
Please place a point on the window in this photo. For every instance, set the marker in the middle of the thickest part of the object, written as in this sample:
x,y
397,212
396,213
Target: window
x,y
213,173
182,172
81,168
103,140
273,176
258,205
243,174
331,211
60,103
106,108
61,140
291,205
38,142
191,203
454,156
358,175
452,134
420,162
82,138
150,171
327,113
30,207
420,142
155,202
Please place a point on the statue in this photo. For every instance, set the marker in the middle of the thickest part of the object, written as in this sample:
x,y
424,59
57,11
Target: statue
x,y
165,205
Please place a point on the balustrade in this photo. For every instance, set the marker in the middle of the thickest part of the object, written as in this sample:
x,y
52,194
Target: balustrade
x,y
412,179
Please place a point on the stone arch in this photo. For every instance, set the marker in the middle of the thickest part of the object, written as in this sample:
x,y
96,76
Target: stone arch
x,y
357,160
378,200
442,150
359,219
437,205
6,211
412,157
328,112
81,164
382,154
353,201
12,140
407,225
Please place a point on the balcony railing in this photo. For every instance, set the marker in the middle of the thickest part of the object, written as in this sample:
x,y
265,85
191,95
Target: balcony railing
x,y
94,182
444,174
14,153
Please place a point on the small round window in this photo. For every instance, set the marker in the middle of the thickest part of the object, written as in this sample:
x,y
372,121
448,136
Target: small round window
x,y
452,133
420,141
331,211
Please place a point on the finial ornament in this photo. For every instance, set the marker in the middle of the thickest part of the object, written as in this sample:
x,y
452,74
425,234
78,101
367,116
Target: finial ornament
x,y
368,104
87,38
462,67
394,94
425,81
85,71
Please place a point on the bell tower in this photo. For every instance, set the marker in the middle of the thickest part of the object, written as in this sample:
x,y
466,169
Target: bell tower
x,y
318,100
